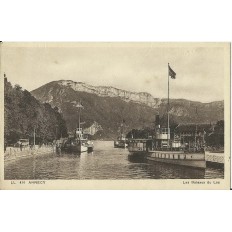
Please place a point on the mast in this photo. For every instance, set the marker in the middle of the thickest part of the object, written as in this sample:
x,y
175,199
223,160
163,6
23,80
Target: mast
x,y
168,108
79,106
79,118
195,139
34,137
195,145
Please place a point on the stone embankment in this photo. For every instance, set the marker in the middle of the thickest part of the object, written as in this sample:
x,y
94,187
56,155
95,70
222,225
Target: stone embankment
x,y
14,153
215,159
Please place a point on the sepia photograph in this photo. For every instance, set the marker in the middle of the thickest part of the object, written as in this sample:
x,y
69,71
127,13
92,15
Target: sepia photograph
x,y
115,115
102,103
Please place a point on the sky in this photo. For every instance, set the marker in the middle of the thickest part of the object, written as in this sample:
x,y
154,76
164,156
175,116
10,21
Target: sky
x,y
137,67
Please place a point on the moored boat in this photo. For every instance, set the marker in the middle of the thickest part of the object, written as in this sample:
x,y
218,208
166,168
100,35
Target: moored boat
x,y
121,141
156,149
161,148
74,145
78,143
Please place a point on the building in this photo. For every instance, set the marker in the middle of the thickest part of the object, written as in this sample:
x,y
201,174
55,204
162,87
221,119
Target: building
x,y
93,129
192,135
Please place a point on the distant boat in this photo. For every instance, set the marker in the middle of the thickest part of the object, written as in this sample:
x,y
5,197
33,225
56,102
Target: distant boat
x,y
78,143
160,148
121,141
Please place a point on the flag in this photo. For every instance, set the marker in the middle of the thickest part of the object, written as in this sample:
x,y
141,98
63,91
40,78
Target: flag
x,y
172,74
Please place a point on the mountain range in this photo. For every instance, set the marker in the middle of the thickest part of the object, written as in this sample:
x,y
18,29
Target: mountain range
x,y
107,106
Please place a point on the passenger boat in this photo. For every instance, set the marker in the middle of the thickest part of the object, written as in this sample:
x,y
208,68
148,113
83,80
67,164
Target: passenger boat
x,y
122,141
78,143
160,148
175,152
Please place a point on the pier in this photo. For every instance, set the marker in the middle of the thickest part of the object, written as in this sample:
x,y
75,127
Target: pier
x,y
214,159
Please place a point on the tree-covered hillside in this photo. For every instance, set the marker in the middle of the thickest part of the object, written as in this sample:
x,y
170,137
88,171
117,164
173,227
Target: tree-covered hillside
x,y
23,113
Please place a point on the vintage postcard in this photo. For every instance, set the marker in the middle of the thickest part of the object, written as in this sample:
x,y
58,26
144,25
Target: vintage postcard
x,y
115,115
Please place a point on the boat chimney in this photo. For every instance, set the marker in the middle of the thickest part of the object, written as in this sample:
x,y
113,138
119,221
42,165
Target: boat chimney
x,y
157,121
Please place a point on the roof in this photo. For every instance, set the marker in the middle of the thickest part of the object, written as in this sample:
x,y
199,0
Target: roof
x,y
191,127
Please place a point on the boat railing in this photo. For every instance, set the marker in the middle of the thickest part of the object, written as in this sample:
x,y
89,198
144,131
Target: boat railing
x,y
185,150
169,149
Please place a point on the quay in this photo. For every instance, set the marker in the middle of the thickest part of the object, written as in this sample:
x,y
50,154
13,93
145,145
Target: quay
x,y
214,159
14,153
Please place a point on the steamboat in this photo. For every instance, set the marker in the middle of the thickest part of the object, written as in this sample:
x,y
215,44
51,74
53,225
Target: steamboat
x,y
161,148
78,143
122,141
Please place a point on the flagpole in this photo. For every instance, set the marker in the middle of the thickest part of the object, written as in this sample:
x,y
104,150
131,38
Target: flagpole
x,y
168,105
79,118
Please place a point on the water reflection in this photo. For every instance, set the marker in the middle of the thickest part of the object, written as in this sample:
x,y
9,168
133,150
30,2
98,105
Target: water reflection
x,y
137,159
169,171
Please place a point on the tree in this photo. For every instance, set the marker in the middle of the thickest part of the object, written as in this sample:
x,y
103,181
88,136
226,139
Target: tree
x,y
23,113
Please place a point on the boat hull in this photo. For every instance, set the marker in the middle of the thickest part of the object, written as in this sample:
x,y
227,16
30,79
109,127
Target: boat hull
x,y
196,160
188,163
82,148
139,155
77,146
120,144
89,148
77,149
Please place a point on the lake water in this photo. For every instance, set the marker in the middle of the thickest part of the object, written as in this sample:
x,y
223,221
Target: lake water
x,y
106,162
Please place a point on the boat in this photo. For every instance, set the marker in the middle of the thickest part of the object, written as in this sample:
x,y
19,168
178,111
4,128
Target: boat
x,y
121,141
78,142
161,148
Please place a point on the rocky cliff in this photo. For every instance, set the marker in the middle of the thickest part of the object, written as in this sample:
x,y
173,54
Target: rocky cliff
x,y
108,91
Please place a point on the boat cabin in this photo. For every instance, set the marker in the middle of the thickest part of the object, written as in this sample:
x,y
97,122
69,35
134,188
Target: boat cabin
x,y
79,133
162,137
140,145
